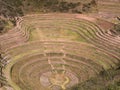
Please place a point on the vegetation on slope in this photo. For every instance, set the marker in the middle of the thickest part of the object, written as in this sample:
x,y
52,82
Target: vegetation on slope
x,y
8,11
58,6
15,8
107,80
117,28
5,25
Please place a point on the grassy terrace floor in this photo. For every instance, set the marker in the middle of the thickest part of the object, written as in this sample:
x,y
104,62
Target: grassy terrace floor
x,y
59,52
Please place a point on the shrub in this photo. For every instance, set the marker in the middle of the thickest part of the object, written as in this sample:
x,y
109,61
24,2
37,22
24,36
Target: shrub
x,y
117,27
